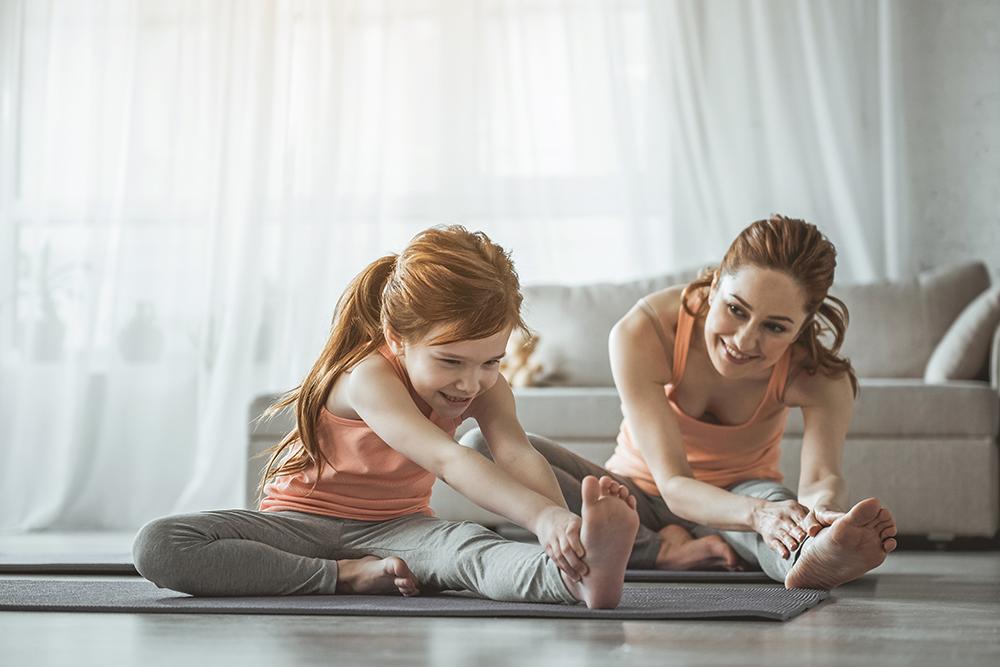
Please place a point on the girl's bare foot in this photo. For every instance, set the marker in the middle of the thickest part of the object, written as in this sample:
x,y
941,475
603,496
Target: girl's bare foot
x,y
854,544
609,527
680,551
375,576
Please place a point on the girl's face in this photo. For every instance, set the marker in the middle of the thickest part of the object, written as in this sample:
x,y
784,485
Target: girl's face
x,y
448,377
753,316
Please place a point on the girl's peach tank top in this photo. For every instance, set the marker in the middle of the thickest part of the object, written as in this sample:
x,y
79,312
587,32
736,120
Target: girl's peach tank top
x,y
718,454
367,479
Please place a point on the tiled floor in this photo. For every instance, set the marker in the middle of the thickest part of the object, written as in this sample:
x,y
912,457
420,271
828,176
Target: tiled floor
x,y
920,608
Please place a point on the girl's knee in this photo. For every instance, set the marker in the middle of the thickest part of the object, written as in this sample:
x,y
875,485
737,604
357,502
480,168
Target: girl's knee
x,y
155,548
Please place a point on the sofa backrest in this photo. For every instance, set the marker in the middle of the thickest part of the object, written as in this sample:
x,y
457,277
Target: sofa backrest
x,y
573,323
894,326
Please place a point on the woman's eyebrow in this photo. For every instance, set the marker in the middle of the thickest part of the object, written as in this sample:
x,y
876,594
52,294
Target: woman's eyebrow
x,y
770,317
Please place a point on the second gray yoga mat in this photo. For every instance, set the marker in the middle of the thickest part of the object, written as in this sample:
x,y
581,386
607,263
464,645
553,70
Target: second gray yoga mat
x,y
117,564
644,601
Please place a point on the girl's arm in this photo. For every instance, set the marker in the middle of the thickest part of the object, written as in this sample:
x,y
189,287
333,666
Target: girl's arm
x,y
382,402
496,415
827,405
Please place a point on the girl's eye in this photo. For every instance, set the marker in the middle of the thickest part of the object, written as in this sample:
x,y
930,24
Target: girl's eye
x,y
735,310
451,362
776,328
493,362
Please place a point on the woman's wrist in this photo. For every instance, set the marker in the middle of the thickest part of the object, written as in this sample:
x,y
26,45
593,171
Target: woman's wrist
x,y
754,507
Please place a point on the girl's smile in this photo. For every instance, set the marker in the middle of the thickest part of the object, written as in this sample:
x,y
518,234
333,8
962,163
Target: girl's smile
x,y
449,377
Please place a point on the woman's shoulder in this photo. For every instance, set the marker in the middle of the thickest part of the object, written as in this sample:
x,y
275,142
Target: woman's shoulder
x,y
816,388
651,324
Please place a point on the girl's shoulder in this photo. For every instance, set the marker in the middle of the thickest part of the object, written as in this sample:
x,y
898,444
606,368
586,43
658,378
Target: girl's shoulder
x,y
373,371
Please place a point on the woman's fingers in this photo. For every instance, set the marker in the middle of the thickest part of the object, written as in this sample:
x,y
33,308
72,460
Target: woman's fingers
x,y
573,539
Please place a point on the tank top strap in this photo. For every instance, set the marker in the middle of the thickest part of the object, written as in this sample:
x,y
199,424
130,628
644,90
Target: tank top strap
x,y
654,319
396,364
682,343
779,376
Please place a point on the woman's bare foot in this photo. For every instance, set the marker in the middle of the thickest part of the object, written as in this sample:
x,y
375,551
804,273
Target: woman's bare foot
x,y
609,527
854,544
680,551
375,576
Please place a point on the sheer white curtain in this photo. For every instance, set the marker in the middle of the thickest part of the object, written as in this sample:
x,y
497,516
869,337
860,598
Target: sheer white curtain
x,y
186,187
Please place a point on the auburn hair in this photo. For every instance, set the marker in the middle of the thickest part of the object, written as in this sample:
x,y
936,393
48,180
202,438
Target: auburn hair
x,y
799,250
447,277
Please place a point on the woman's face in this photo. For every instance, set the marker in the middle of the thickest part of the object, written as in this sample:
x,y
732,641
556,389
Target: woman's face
x,y
753,316
448,377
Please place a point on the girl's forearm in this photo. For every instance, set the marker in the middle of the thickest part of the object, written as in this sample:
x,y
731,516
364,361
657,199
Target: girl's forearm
x,y
491,487
708,505
532,470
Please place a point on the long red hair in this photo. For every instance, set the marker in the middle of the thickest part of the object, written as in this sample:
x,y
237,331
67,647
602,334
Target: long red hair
x,y
446,276
799,250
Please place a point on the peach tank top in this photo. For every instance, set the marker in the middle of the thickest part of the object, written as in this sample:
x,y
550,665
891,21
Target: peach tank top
x,y
368,480
718,454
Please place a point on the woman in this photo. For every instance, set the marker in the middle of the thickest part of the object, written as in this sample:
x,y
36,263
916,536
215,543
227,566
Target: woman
x,y
707,374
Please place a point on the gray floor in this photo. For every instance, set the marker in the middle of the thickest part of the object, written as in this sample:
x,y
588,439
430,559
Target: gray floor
x,y
920,608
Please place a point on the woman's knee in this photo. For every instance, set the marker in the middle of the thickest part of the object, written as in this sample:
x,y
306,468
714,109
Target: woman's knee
x,y
475,440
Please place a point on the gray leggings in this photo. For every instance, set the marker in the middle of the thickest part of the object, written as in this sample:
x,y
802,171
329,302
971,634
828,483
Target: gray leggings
x,y
247,552
654,515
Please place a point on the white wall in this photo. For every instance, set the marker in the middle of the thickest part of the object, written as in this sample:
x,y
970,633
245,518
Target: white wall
x,y
950,82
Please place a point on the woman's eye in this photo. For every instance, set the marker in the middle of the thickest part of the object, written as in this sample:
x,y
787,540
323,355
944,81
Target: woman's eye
x,y
451,362
735,310
776,328
492,363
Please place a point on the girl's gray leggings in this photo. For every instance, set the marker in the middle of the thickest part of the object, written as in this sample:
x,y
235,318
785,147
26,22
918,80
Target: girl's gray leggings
x,y
247,552
654,515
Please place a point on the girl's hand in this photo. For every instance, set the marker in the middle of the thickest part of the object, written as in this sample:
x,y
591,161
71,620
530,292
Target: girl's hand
x,y
779,524
819,518
558,531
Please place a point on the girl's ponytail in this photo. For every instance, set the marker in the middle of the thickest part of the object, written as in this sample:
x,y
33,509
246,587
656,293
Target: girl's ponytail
x,y
356,332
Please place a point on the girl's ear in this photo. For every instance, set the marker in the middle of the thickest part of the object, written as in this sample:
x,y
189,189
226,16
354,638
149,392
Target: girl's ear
x,y
394,341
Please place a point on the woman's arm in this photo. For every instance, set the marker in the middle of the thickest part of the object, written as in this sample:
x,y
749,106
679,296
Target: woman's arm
x,y
496,414
641,367
827,405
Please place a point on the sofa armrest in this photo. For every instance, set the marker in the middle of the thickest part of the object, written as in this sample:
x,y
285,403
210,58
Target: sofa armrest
x,y
995,360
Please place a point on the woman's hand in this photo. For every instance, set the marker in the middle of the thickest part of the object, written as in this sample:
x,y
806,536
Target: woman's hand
x,y
779,523
819,517
558,531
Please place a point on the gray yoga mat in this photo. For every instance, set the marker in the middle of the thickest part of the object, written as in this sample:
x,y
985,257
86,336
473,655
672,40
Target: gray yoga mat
x,y
68,564
120,564
643,601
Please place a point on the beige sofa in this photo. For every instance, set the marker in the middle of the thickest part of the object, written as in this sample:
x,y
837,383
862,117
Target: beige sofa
x,y
924,434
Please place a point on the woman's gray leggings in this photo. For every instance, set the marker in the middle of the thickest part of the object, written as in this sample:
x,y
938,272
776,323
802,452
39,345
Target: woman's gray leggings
x,y
654,515
246,552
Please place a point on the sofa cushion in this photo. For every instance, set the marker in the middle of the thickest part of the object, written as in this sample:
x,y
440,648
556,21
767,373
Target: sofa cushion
x,y
963,352
885,408
917,312
573,322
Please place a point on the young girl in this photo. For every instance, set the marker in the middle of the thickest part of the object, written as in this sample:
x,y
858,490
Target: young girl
x,y
414,350
707,374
